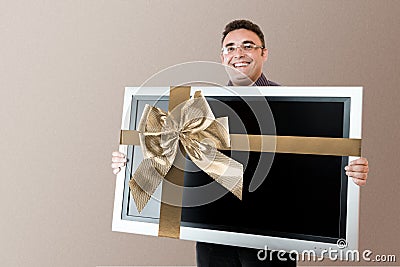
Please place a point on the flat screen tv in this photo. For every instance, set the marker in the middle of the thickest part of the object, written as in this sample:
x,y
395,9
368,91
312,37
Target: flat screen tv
x,y
290,201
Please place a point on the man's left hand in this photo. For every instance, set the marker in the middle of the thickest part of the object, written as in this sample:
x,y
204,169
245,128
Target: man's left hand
x,y
358,171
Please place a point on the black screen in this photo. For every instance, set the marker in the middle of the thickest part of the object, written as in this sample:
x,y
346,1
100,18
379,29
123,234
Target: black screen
x,y
302,196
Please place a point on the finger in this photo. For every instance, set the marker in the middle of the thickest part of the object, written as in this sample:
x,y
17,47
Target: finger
x,y
357,175
117,170
357,168
117,165
360,161
359,182
118,154
118,159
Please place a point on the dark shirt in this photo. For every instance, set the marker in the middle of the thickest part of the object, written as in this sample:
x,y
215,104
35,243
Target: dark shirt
x,y
262,81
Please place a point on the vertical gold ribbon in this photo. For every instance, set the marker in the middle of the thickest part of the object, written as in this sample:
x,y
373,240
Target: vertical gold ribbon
x,y
170,216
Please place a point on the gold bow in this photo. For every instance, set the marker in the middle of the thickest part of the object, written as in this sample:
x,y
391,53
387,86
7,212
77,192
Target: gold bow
x,y
193,125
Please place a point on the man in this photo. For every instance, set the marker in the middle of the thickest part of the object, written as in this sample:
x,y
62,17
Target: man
x,y
244,52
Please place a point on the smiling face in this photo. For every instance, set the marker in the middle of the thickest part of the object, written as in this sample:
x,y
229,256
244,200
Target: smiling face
x,y
247,65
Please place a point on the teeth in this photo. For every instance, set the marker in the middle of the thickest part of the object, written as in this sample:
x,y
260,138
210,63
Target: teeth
x,y
240,64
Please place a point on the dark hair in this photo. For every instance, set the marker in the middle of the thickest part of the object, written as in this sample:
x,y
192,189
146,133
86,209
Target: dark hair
x,y
243,24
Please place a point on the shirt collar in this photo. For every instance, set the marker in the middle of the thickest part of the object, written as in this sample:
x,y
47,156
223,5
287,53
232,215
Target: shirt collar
x,y
262,81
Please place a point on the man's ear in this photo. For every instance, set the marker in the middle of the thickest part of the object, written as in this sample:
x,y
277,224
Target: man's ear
x,y
264,54
222,58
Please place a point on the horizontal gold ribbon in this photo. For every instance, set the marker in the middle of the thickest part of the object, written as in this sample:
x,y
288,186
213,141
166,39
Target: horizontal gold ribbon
x,y
277,144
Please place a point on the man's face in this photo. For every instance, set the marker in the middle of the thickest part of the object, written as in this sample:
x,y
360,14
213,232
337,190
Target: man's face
x,y
249,63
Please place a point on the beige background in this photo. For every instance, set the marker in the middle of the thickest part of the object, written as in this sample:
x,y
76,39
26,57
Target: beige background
x,y
64,66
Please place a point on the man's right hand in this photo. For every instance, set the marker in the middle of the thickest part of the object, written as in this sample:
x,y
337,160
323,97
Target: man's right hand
x,y
118,161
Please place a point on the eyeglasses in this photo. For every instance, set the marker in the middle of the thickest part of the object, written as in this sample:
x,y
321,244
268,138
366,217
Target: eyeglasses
x,y
244,47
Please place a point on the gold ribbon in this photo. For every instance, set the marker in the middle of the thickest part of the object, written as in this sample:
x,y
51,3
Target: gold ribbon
x,y
278,144
193,125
